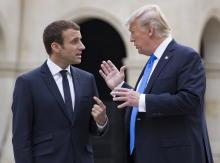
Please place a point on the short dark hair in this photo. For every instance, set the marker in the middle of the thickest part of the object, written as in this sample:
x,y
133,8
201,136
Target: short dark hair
x,y
53,32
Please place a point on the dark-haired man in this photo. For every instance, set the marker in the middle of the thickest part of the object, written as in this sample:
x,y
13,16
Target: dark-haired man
x,y
55,108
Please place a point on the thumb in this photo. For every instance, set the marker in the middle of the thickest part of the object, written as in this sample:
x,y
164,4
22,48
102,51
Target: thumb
x,y
122,70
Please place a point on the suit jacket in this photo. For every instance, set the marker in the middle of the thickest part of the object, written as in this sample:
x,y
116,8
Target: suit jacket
x,y
42,131
173,128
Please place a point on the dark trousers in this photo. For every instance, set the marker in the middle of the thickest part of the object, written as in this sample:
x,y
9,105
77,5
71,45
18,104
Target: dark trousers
x,y
131,158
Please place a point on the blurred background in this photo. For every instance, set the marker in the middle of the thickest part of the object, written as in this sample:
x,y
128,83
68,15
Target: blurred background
x,y
195,23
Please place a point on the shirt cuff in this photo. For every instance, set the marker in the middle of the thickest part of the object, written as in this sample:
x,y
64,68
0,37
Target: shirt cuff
x,y
142,104
101,127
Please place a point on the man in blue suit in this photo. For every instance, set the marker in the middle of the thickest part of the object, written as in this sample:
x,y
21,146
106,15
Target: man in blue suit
x,y
165,111
55,107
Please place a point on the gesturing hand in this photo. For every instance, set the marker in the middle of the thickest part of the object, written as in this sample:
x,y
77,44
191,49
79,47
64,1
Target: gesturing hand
x,y
99,112
111,75
129,97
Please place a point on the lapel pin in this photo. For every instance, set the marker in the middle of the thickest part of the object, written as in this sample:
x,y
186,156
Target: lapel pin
x,y
166,57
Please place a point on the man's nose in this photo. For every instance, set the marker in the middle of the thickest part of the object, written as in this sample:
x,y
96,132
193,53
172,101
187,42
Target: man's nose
x,y
82,47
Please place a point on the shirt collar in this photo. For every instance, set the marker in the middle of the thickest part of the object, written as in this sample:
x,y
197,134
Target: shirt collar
x,y
54,68
162,47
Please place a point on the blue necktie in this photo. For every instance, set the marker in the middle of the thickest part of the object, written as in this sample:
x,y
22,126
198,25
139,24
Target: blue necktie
x,y
141,88
67,95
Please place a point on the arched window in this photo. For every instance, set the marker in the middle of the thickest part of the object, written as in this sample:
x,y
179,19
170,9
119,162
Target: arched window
x,y
210,51
103,42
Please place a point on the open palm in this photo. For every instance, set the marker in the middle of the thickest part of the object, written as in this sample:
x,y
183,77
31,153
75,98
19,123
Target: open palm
x,y
111,74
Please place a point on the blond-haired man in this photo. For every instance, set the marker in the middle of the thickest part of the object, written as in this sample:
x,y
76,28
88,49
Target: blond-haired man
x,y
165,111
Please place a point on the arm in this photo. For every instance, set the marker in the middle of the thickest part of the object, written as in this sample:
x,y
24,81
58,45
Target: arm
x,y
22,109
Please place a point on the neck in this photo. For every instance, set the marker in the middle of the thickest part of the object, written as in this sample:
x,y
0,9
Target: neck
x,y
59,62
156,43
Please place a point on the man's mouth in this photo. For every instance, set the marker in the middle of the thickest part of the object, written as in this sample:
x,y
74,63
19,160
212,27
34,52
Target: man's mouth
x,y
79,54
137,47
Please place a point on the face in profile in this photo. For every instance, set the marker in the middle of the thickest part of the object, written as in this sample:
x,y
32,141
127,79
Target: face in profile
x,y
71,50
140,37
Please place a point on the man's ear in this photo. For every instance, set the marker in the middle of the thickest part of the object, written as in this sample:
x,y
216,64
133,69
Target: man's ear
x,y
151,31
55,47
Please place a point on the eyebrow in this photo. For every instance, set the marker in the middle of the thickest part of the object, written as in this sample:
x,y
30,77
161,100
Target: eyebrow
x,y
77,37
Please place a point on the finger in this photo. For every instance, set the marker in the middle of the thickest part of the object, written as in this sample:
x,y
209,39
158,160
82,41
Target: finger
x,y
102,74
107,66
120,99
122,105
122,70
104,68
118,89
111,65
94,111
95,106
120,94
98,110
94,114
99,102
112,93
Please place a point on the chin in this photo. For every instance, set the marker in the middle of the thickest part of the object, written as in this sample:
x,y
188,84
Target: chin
x,y
141,52
77,62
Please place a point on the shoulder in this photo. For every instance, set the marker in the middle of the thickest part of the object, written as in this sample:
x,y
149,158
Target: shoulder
x,y
30,75
81,73
185,52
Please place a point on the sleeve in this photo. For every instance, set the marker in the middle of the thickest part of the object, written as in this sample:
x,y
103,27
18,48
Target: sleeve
x,y
189,95
22,109
101,128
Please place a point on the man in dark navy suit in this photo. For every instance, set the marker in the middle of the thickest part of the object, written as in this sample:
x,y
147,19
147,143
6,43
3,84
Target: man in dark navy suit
x,y
55,107
165,111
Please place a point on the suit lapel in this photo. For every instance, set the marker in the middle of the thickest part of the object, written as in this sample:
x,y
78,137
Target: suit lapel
x,y
52,86
140,76
165,58
77,89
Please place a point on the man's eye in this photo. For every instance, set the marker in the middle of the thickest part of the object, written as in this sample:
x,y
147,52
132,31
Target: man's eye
x,y
74,41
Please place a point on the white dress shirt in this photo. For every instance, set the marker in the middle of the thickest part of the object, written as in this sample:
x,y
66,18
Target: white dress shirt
x,y
55,71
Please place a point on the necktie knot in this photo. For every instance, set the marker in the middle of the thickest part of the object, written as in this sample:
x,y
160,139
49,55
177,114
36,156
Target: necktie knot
x,y
152,58
63,73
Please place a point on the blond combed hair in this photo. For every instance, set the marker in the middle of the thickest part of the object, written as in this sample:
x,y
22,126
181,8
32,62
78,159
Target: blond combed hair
x,y
151,15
